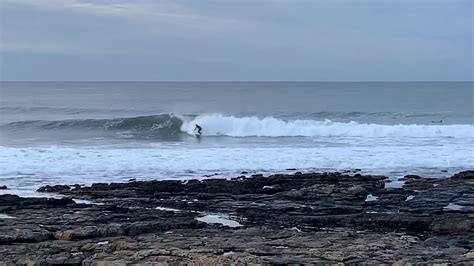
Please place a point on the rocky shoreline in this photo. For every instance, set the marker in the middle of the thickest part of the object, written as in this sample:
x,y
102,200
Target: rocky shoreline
x,y
344,218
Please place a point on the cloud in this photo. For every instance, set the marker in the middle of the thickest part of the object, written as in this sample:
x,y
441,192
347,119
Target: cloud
x,y
309,40
96,7
60,21
139,10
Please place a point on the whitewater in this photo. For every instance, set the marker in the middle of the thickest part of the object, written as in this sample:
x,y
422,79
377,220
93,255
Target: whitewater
x,y
221,125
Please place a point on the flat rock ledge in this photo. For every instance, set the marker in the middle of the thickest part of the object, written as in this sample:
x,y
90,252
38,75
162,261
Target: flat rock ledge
x,y
311,218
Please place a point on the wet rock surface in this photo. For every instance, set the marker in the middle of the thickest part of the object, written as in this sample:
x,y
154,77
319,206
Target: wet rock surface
x,y
301,218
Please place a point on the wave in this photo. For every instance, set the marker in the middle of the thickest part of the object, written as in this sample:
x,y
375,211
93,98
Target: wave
x,y
218,124
163,124
222,125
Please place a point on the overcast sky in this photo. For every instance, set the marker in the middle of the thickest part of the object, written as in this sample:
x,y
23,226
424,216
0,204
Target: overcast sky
x,y
240,40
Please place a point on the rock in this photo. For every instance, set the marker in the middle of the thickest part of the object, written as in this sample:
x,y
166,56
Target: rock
x,y
412,177
3,187
59,202
453,226
295,194
409,239
464,175
469,255
338,256
9,200
56,188
14,200
308,218
26,233
79,233
357,190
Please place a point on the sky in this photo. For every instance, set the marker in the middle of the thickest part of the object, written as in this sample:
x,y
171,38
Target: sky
x,y
236,40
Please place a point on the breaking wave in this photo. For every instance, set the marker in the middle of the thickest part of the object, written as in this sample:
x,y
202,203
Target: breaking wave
x,y
222,125
218,124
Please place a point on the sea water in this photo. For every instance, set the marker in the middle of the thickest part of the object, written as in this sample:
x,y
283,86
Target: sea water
x,y
85,132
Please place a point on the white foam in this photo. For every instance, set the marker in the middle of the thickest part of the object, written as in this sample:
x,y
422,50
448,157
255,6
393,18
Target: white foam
x,y
410,198
5,216
25,169
370,197
296,229
83,201
167,209
218,124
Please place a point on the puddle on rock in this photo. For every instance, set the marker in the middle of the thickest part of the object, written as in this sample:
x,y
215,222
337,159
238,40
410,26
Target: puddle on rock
x,y
453,207
218,219
167,209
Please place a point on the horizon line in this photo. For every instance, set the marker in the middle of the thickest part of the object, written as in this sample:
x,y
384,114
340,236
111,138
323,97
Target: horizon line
x,y
236,81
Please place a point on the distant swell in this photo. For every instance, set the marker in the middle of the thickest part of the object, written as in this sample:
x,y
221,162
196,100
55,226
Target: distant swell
x,y
221,125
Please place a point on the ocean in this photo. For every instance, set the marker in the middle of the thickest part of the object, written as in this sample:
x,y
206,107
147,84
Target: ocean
x,y
85,132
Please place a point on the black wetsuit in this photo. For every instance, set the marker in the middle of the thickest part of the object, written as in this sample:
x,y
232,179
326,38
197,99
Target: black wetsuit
x,y
198,129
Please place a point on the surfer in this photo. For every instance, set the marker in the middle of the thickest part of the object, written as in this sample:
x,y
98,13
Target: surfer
x,y
198,128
